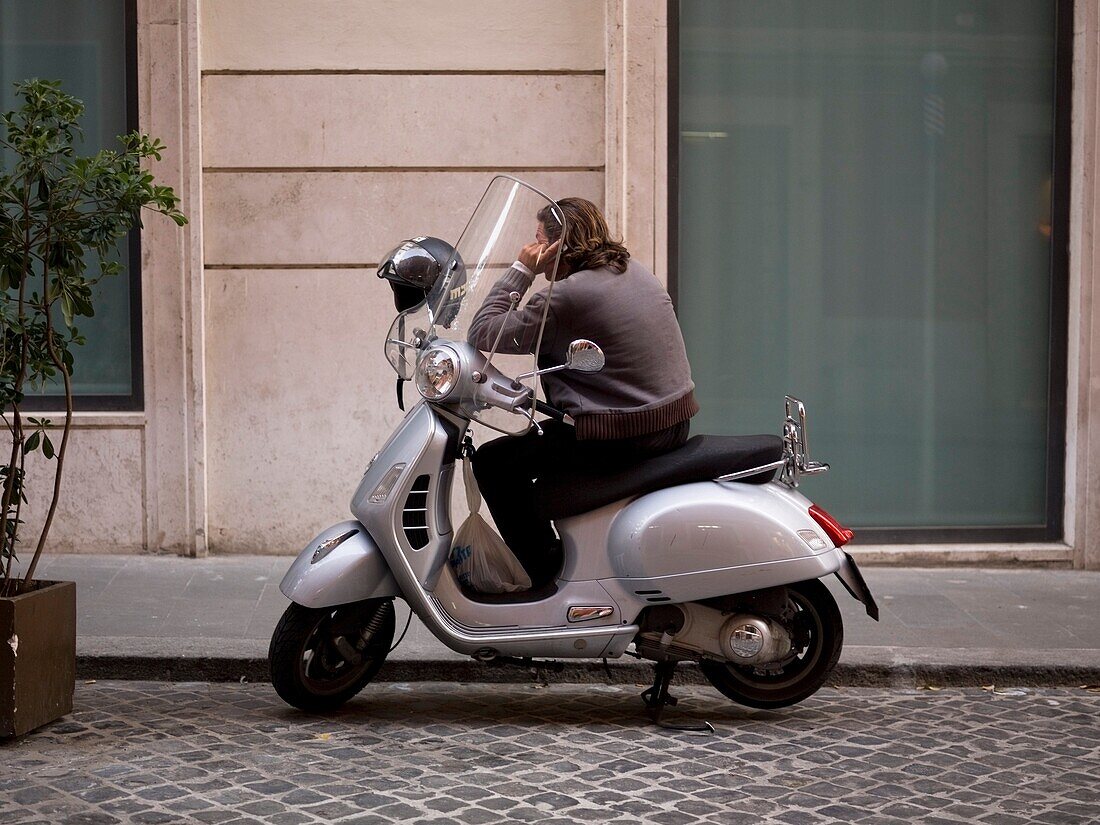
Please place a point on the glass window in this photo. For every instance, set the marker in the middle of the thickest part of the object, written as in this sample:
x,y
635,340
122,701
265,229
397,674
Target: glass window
x,y
83,43
865,222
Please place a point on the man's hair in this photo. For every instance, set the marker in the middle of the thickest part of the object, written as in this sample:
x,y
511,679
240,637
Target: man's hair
x,y
587,243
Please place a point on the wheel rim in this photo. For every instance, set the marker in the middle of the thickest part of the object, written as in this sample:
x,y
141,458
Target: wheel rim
x,y
323,668
790,671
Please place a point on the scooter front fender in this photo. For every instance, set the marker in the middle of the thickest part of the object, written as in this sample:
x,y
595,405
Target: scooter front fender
x,y
341,565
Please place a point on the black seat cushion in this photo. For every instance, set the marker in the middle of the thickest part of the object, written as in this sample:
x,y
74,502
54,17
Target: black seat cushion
x,y
702,458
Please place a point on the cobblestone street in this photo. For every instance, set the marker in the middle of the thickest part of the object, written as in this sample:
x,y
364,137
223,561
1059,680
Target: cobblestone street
x,y
434,752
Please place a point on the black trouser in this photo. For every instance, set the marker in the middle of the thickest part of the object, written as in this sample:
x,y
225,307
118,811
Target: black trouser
x,y
507,468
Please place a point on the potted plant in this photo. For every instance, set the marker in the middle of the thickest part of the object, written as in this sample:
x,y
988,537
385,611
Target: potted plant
x,y
61,218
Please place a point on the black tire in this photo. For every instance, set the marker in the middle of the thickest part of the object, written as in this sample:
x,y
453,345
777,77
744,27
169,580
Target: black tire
x,y
308,670
791,681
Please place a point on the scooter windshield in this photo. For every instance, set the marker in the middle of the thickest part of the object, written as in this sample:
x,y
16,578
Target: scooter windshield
x,y
484,299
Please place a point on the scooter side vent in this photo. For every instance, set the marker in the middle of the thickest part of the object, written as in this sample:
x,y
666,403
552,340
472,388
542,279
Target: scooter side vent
x,y
653,595
414,516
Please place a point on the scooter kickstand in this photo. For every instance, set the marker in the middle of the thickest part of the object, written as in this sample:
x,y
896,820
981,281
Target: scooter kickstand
x,y
657,698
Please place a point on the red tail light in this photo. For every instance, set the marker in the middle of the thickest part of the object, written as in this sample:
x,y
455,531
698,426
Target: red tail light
x,y
840,534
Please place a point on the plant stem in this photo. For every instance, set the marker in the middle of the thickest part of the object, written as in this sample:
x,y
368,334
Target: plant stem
x,y
17,420
18,510
5,582
60,460
10,482
60,364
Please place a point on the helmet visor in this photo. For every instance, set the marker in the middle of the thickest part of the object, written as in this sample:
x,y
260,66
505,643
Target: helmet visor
x,y
412,265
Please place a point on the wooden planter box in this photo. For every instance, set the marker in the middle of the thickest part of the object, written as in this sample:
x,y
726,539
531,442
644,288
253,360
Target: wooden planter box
x,y
37,657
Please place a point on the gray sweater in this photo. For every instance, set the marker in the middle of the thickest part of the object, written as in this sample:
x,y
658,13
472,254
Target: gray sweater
x,y
646,384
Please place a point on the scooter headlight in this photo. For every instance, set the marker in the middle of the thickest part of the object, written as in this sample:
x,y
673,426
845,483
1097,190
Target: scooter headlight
x,y
437,374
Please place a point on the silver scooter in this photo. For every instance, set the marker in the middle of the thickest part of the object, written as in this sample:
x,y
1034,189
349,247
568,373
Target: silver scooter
x,y
707,554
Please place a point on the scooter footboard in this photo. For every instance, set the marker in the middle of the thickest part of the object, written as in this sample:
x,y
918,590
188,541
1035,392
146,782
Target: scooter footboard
x,y
341,565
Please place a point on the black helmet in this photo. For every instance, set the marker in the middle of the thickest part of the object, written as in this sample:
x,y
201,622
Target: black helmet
x,y
413,267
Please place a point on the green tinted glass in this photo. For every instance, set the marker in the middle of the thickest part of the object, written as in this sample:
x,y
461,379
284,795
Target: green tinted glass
x,y
865,223
82,43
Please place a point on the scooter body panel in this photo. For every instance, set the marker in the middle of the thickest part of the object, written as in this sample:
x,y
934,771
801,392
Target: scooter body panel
x,y
421,448
553,611
707,584
341,565
696,541
710,526
417,455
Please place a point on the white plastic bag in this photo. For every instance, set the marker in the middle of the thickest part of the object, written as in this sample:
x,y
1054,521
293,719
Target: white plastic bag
x,y
479,556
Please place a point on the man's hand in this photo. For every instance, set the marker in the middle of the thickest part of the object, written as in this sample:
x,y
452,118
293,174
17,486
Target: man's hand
x,y
538,257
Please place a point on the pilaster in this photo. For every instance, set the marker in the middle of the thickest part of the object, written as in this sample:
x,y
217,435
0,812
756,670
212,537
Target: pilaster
x,y
172,282
637,125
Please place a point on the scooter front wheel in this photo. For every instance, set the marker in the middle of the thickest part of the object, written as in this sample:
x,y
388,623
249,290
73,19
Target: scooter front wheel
x,y
321,657
820,634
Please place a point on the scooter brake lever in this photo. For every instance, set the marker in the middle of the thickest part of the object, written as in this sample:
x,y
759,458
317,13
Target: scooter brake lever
x,y
530,417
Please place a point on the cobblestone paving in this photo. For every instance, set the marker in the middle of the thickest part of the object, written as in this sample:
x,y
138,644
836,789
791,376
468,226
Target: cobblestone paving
x,y
155,752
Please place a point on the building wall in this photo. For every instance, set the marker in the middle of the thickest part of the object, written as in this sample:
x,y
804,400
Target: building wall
x,y
135,482
370,123
306,138
1083,375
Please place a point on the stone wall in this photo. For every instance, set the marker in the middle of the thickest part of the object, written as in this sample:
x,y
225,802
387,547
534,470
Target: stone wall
x,y
368,123
307,138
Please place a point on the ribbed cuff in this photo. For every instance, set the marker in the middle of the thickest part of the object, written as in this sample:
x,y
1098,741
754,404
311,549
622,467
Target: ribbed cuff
x,y
515,278
631,423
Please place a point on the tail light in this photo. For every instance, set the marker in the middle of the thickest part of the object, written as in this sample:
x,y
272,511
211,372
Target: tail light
x,y
840,534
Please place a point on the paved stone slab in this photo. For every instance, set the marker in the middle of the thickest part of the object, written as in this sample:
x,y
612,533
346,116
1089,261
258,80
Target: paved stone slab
x,y
439,752
177,618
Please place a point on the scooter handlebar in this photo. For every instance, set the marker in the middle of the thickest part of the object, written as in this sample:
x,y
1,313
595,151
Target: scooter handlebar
x,y
546,409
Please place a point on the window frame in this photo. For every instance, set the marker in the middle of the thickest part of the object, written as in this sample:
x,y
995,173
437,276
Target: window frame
x,y
135,401
1058,337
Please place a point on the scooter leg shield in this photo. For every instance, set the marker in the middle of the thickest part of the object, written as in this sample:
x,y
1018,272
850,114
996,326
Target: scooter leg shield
x,y
341,565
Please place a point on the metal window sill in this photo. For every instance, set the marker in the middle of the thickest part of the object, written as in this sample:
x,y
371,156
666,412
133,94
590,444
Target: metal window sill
x,y
1046,554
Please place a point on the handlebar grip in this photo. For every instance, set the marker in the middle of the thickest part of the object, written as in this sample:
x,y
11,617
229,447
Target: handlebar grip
x,y
546,409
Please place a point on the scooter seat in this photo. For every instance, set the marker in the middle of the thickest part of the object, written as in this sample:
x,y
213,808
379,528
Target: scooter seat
x,y
702,458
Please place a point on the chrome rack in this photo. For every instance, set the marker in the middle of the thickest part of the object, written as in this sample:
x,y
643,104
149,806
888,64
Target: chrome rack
x,y
795,461
775,465
796,445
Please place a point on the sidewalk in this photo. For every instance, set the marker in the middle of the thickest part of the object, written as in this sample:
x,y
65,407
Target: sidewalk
x,y
179,619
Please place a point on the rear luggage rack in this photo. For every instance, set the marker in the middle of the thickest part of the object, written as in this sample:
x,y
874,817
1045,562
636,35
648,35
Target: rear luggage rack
x,y
796,445
764,468
795,461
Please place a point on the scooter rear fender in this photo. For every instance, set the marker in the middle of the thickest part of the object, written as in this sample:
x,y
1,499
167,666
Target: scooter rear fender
x,y
341,565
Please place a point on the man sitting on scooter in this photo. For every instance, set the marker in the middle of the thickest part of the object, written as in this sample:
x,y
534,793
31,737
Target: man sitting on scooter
x,y
638,406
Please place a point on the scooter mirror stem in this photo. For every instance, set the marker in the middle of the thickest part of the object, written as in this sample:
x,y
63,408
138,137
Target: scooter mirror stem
x,y
583,356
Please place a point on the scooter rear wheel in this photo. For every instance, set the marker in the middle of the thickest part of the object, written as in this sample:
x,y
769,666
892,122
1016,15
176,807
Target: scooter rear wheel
x,y
321,657
788,682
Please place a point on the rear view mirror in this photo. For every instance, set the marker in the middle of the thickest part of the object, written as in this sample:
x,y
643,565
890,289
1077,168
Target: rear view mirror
x,y
584,356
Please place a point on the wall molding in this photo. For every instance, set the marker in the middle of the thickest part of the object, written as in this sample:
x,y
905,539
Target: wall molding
x,y
1082,502
172,283
636,140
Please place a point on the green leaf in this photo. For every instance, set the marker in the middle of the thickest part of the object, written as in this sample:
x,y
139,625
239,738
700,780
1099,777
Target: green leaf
x,y
67,308
77,209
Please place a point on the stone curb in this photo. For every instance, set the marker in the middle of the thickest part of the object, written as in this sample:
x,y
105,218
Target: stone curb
x,y
849,674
